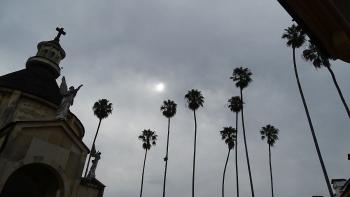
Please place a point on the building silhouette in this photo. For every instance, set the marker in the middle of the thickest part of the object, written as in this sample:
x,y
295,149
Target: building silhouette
x,y
40,155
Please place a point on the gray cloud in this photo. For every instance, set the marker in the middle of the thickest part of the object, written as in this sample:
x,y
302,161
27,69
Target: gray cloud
x,y
119,49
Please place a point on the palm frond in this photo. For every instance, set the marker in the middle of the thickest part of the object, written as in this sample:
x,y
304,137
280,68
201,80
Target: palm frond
x,y
168,108
194,99
102,108
242,77
294,35
316,56
229,135
235,104
148,138
270,133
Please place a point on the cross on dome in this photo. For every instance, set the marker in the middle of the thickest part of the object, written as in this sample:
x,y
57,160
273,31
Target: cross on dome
x,y
60,32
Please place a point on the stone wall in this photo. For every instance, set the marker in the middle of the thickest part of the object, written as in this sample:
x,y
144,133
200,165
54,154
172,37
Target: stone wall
x,y
51,143
19,106
30,134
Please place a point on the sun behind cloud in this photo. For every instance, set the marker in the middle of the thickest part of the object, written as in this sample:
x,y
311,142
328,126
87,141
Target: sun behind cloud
x,y
159,87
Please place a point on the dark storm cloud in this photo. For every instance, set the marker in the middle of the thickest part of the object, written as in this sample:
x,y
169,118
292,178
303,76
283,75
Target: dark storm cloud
x,y
119,49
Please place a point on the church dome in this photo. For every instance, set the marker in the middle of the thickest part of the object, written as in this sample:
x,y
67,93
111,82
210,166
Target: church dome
x,y
49,54
42,70
35,81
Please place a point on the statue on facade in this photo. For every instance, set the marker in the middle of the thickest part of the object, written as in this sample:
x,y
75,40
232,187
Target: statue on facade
x,y
67,100
97,157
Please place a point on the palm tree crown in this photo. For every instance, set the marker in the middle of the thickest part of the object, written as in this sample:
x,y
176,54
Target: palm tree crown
x,y
194,99
168,108
295,36
148,138
316,56
242,77
229,134
102,108
270,133
235,104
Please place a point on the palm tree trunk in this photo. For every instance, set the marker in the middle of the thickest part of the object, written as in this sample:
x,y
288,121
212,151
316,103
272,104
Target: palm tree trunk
x,y
93,144
270,170
166,158
194,151
223,176
143,173
236,160
339,91
312,128
246,149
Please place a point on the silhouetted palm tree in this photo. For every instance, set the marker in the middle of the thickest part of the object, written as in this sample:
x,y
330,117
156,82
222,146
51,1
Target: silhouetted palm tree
x,y
295,38
169,110
236,105
148,138
102,109
194,99
271,134
319,59
242,77
228,134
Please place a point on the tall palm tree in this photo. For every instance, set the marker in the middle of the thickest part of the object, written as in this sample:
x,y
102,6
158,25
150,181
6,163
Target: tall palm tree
x,y
235,105
242,78
319,59
169,110
194,99
102,109
270,133
295,38
148,138
228,134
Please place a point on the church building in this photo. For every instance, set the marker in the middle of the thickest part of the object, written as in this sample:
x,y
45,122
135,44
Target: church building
x,y
41,149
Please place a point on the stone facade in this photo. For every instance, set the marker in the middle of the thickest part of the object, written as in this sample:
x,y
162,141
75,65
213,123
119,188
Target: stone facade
x,y
30,134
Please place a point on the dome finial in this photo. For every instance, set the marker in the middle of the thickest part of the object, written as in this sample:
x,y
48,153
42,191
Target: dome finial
x,y
60,32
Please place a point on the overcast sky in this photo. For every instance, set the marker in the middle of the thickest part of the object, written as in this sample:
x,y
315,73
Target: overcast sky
x,y
120,49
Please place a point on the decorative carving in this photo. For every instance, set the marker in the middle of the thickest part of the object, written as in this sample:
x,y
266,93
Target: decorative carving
x,y
67,100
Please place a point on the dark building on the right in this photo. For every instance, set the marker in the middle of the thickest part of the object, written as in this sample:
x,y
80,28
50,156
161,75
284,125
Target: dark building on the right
x,y
327,23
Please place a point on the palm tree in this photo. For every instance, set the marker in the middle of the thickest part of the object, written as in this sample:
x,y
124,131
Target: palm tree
x,y
228,134
236,105
271,134
169,110
194,99
148,138
295,39
319,59
242,77
102,109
